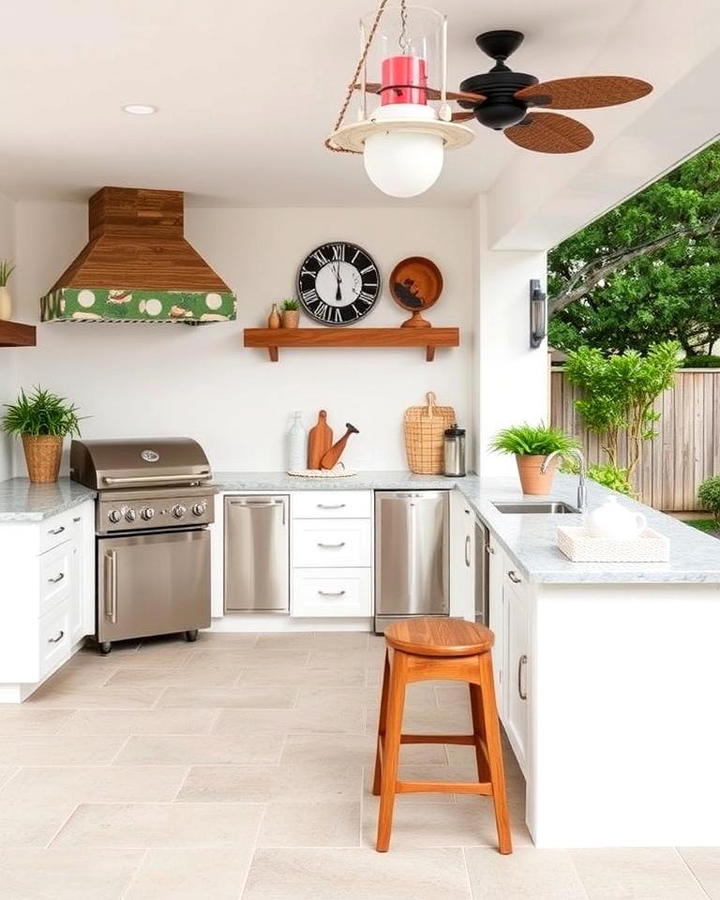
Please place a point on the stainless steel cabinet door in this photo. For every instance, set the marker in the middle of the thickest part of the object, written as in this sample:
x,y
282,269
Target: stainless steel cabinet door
x,y
153,584
257,574
411,553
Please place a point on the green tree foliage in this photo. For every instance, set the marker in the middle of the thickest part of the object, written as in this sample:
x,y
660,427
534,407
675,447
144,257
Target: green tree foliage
x,y
618,393
709,496
647,271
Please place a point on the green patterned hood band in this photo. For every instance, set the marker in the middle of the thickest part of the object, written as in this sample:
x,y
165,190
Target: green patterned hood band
x,y
133,305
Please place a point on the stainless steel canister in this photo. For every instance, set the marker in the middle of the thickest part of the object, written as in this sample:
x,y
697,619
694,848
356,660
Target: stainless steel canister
x,y
454,451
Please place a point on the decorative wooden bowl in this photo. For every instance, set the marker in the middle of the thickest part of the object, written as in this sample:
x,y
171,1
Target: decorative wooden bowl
x,y
415,284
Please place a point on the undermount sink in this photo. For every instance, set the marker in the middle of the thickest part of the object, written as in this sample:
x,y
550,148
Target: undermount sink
x,y
542,507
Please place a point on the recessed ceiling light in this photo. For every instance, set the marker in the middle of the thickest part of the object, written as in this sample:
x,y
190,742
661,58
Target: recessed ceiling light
x,y
139,109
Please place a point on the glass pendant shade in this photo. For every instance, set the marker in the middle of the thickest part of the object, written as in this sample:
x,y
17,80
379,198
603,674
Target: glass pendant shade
x,y
403,163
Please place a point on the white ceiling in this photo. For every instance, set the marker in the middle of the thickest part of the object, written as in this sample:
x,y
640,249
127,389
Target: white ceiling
x,y
247,91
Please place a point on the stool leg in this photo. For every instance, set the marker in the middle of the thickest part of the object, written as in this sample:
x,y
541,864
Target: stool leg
x,y
476,706
391,749
495,758
382,718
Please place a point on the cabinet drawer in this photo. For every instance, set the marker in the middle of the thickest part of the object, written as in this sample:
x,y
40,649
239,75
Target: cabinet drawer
x,y
332,592
332,504
54,640
57,529
56,575
339,542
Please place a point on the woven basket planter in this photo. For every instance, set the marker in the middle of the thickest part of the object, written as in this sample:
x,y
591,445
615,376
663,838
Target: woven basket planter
x,y
424,432
42,455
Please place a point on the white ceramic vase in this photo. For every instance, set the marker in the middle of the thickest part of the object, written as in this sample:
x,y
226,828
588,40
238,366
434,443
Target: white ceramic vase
x,y
5,303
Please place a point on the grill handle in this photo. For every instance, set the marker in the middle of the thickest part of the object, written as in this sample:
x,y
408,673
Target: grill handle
x,y
145,479
110,587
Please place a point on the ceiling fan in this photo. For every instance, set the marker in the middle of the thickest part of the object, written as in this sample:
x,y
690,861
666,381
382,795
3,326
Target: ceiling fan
x,y
504,100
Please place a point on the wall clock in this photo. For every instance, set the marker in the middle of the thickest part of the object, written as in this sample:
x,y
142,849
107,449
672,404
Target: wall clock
x,y
338,283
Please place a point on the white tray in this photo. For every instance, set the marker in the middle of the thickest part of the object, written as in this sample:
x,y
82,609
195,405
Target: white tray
x,y
578,545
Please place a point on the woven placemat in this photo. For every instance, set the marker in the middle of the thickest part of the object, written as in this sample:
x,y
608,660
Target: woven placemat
x,y
338,472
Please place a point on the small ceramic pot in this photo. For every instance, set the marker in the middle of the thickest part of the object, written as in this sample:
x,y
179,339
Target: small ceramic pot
x,y
532,480
5,303
290,318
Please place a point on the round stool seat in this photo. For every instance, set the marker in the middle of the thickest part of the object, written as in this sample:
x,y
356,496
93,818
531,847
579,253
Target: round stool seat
x,y
439,637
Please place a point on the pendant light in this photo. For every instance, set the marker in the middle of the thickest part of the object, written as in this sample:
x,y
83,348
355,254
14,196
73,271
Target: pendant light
x,y
403,140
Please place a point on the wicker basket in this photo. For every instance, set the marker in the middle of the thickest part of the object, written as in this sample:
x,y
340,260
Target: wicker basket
x,y
42,455
424,431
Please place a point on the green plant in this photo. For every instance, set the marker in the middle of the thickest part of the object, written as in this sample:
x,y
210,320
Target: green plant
x,y
618,394
289,305
41,413
709,526
6,270
701,362
604,473
532,440
709,496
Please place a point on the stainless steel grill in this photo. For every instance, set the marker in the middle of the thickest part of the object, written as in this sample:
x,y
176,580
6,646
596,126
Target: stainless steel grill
x,y
155,501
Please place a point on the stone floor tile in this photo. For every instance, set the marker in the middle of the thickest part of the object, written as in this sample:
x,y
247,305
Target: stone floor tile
x,y
704,862
358,874
152,825
311,824
139,721
636,873
26,719
60,750
32,823
201,749
123,697
304,640
191,874
66,874
259,784
352,750
253,696
94,784
526,874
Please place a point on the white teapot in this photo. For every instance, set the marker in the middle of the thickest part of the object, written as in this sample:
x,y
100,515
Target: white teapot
x,y
614,521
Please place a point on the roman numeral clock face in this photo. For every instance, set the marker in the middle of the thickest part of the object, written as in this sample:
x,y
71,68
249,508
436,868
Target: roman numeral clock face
x,y
338,284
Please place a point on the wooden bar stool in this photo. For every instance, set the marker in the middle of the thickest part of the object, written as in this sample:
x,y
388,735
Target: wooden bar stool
x,y
428,649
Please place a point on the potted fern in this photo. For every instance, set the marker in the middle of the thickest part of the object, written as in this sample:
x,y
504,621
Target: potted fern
x,y
6,270
530,444
42,420
290,313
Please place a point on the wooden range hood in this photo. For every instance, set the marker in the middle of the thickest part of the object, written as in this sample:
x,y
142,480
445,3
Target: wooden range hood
x,y
137,266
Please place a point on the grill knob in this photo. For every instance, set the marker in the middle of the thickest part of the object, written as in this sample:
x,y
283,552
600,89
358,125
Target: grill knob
x,y
199,508
130,515
115,515
179,511
147,513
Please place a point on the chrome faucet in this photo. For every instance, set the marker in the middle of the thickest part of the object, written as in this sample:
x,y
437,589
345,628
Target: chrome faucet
x,y
582,475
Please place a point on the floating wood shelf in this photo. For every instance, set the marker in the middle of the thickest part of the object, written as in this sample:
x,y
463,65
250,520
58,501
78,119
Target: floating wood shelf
x,y
15,334
274,338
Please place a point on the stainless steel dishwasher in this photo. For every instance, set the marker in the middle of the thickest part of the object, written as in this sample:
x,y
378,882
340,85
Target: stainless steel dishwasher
x,y
257,551
411,555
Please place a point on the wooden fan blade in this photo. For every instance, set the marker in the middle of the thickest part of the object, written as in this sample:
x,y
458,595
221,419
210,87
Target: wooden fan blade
x,y
590,92
550,133
462,116
374,87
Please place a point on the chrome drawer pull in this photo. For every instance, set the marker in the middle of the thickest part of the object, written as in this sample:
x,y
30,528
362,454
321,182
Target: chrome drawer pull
x,y
57,578
467,550
77,518
331,546
513,577
331,506
522,662
55,640
56,530
331,593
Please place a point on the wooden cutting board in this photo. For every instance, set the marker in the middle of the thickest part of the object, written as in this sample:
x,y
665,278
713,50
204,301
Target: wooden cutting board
x,y
319,440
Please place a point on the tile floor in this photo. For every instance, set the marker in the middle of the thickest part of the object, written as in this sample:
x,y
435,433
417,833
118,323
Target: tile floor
x,y
239,766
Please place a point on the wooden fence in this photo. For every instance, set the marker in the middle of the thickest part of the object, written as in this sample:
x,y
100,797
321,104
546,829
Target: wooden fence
x,y
686,450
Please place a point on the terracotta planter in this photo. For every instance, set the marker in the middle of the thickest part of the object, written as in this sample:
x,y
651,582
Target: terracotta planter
x,y
42,455
290,318
532,480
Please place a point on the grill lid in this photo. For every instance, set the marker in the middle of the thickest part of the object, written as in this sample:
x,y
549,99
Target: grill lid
x,y
107,464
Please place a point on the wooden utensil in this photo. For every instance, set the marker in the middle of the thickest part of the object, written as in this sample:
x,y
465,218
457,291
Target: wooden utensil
x,y
319,441
332,457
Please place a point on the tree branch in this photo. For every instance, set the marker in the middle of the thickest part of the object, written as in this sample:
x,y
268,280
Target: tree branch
x,y
589,275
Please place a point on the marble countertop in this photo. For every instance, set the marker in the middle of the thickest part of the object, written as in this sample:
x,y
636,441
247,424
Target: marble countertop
x,y
23,501
530,539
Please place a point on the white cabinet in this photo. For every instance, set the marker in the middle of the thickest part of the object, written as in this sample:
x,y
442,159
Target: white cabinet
x,y
47,596
462,558
332,554
517,672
